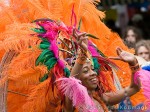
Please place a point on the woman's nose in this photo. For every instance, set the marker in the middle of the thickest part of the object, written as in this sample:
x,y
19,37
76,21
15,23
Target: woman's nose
x,y
143,55
93,72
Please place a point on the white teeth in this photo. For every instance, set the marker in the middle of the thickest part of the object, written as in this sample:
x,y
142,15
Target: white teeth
x,y
94,79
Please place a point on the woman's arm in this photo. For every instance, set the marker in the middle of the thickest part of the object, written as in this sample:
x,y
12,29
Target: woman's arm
x,y
68,107
81,58
81,55
116,97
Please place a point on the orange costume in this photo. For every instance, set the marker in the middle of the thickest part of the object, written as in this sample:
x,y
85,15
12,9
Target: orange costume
x,y
19,73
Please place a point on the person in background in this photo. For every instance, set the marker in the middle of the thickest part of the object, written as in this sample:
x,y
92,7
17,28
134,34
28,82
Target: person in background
x,y
142,49
131,36
148,41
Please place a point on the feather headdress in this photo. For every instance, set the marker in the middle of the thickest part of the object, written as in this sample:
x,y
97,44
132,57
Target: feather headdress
x,y
41,57
55,45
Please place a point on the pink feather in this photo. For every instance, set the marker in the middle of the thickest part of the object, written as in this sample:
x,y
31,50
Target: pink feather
x,y
54,48
72,88
61,64
144,77
51,30
92,50
75,18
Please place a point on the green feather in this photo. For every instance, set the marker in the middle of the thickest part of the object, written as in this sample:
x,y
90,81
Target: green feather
x,y
90,35
44,56
39,30
67,72
80,24
96,65
44,41
102,54
44,46
44,78
50,63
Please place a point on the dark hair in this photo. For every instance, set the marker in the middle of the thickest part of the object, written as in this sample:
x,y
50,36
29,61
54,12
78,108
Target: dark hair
x,y
142,43
138,33
129,44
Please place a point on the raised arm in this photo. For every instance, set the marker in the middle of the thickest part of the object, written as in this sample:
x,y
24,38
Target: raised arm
x,y
81,58
116,97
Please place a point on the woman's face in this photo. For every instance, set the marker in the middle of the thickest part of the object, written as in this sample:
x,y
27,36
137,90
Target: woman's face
x,y
143,52
131,36
88,76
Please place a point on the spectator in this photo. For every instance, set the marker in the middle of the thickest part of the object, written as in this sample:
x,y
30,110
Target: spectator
x,y
142,49
131,36
148,41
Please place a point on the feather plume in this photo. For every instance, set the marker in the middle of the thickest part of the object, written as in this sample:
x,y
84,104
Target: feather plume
x,y
29,10
8,16
107,82
40,98
17,96
17,37
24,11
30,76
3,93
3,79
55,7
26,59
73,89
144,77
92,49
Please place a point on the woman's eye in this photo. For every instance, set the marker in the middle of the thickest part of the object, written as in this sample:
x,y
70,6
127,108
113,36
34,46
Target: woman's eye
x,y
85,71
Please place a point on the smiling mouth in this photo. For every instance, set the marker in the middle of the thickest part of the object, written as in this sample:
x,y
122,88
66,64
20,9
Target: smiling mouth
x,y
94,80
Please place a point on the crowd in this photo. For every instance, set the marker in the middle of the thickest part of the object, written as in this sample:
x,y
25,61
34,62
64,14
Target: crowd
x,y
133,39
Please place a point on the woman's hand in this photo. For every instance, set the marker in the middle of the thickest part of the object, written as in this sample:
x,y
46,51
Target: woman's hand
x,y
81,38
125,56
131,59
114,98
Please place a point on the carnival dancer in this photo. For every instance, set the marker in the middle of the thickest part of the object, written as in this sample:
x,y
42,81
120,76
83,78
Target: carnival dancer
x,y
35,56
